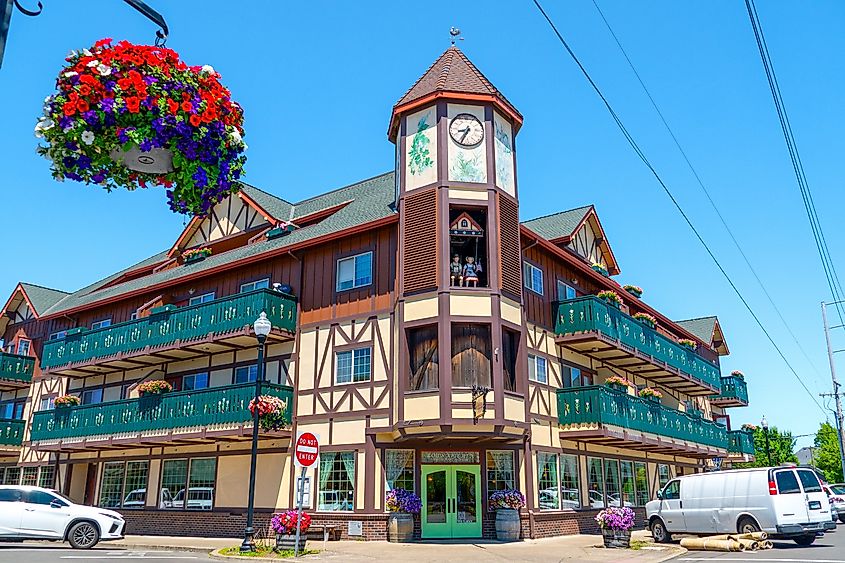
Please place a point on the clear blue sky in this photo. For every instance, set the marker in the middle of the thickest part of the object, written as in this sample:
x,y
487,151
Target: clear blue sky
x,y
317,81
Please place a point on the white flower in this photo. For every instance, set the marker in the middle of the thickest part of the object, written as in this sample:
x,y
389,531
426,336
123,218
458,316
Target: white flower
x,y
93,63
46,123
207,69
86,52
236,137
104,70
69,74
87,137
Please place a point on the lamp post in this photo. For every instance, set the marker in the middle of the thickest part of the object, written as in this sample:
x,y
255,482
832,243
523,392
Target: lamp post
x,y
262,327
765,424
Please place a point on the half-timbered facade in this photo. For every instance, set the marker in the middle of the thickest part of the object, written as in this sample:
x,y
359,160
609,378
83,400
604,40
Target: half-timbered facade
x,y
432,340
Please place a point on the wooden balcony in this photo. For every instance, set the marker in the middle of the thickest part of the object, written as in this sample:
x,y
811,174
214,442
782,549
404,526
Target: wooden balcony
x,y
15,371
172,334
734,393
741,444
603,415
591,326
11,433
183,417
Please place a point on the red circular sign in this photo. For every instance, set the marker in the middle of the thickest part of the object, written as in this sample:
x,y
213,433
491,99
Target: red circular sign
x,y
307,449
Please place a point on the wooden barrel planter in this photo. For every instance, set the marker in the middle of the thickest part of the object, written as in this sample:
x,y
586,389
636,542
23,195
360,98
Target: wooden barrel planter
x,y
616,538
400,527
288,541
508,527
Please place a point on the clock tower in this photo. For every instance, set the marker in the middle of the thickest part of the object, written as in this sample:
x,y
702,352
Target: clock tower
x,y
460,273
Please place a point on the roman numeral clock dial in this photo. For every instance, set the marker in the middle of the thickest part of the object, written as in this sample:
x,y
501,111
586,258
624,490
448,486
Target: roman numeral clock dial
x,y
466,130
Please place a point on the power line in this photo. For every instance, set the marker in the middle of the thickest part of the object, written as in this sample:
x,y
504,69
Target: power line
x,y
666,189
704,188
806,195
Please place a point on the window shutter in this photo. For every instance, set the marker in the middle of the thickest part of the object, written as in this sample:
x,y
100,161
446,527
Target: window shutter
x,y
509,244
420,242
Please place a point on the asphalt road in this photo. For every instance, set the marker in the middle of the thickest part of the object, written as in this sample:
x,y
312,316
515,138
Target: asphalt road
x,y
32,552
827,549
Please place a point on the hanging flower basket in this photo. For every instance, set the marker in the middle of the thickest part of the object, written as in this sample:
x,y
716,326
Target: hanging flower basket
x,y
634,290
271,413
129,116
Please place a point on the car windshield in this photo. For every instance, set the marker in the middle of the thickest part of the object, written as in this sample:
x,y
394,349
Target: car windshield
x,y
61,496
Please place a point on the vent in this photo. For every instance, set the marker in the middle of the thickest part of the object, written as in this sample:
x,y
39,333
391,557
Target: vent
x,y
509,244
420,242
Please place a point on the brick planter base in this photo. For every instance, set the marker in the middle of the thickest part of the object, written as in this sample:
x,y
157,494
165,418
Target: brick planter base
x,y
220,524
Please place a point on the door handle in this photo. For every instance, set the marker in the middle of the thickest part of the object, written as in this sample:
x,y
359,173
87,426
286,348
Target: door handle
x,y
680,504
29,509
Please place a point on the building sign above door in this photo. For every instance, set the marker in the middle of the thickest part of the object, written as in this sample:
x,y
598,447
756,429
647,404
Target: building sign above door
x,y
450,457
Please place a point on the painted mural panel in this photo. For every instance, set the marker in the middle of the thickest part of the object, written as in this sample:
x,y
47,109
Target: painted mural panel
x,y
467,163
503,138
421,149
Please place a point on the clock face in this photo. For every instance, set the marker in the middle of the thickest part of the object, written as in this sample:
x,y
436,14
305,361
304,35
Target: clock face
x,y
466,130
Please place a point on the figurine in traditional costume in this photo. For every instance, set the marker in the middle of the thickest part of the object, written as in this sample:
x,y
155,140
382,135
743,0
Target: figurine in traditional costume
x,y
470,272
456,271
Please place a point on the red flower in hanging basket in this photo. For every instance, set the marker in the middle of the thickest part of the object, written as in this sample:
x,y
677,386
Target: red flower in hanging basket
x,y
125,116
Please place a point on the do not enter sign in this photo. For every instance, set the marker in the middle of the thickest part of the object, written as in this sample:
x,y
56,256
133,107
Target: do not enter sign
x,y
307,449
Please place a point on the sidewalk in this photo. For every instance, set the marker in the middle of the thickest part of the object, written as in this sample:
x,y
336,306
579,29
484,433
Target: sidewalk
x,y
563,548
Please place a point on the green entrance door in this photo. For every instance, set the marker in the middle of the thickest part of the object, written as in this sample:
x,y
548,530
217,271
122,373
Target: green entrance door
x,y
451,501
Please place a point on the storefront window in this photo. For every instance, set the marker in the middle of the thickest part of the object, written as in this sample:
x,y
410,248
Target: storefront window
x,y
595,482
111,484
201,484
399,469
187,484
641,478
337,478
135,484
547,481
663,475
30,476
12,476
611,482
570,491
46,476
174,479
500,472
626,470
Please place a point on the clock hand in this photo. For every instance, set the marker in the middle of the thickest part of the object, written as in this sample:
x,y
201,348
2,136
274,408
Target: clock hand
x,y
464,136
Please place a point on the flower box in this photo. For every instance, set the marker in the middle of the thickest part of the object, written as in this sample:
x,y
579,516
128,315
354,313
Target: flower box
x,y
195,258
618,387
610,297
280,231
616,539
288,542
646,319
600,269
284,525
196,254
687,343
634,290
66,402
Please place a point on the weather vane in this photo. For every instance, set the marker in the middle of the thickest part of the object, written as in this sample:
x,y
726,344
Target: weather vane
x,y
456,34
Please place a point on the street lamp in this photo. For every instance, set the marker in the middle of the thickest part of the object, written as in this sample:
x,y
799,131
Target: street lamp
x,y
765,424
262,327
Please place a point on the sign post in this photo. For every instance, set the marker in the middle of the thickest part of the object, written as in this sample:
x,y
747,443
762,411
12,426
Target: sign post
x,y
306,452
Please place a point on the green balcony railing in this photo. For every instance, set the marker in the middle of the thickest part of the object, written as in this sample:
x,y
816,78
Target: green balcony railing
x,y
741,442
589,314
168,326
213,406
734,389
599,404
11,432
16,368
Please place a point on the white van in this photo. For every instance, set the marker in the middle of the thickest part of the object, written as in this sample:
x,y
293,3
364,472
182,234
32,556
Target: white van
x,y
785,502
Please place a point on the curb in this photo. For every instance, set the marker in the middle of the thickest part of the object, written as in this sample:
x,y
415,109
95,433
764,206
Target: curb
x,y
148,547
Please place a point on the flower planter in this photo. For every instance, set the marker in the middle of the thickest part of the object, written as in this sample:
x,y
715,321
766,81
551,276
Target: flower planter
x,y
646,322
400,527
149,401
634,292
288,541
611,302
195,258
616,538
653,399
618,387
508,527
279,231
601,270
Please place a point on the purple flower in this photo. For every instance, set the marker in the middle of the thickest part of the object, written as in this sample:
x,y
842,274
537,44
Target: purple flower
x,y
107,105
146,145
83,162
98,177
66,123
200,177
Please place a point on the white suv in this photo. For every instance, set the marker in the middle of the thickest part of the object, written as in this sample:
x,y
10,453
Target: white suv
x,y
33,513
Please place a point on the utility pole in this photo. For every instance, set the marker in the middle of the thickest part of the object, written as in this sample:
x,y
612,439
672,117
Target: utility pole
x,y
840,422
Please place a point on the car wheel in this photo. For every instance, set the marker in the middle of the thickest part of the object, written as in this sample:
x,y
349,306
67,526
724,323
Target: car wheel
x,y
83,535
659,532
842,518
747,526
804,540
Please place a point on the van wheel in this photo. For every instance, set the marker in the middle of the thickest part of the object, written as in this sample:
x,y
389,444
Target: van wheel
x,y
804,540
842,518
659,532
747,526
83,535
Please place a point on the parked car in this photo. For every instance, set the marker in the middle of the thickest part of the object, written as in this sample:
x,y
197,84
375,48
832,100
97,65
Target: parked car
x,y
34,513
199,498
785,502
138,499
836,496
597,500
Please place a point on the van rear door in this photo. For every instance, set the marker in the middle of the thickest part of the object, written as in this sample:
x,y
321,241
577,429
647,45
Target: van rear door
x,y
818,507
788,498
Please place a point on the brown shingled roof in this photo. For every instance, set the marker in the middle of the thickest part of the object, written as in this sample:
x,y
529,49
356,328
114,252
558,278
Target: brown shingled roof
x,y
453,72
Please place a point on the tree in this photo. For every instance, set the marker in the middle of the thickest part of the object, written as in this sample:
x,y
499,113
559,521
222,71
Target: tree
x,y
827,453
781,447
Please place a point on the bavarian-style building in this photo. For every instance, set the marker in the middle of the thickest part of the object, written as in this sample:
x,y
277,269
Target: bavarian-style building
x,y
432,339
